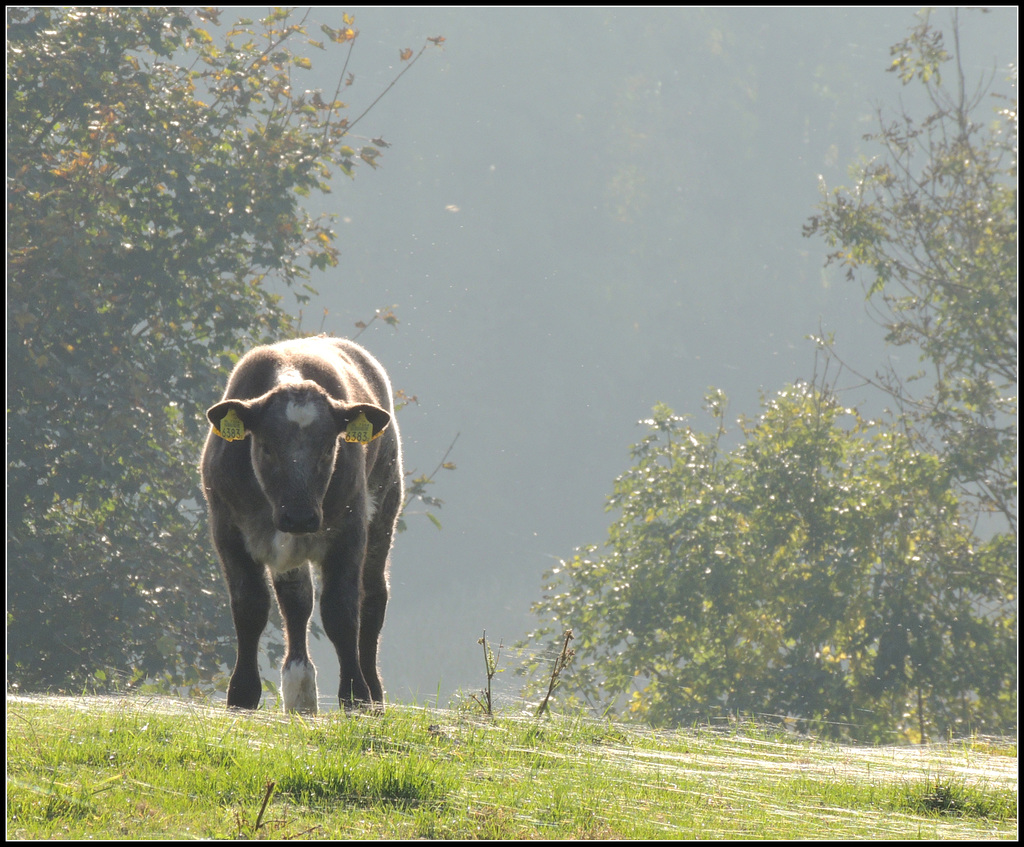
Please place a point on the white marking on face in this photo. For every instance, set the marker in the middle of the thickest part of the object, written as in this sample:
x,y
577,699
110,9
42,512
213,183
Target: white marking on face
x,y
298,687
301,413
288,374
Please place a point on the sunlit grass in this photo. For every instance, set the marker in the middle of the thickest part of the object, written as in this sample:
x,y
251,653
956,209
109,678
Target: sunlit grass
x,y
143,768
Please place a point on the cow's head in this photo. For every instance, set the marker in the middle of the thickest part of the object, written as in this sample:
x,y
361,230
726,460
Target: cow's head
x,y
294,431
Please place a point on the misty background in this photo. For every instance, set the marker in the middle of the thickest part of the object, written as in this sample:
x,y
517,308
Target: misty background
x,y
584,212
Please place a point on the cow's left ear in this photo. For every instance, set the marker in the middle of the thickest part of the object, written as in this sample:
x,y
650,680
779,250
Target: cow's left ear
x,y
362,422
226,420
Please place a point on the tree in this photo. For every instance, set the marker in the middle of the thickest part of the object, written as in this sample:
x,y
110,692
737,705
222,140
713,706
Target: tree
x,y
933,220
831,570
817,574
155,178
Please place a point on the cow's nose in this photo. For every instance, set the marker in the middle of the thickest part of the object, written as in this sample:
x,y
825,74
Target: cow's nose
x,y
298,523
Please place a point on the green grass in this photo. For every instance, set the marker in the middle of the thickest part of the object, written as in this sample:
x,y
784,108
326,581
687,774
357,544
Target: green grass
x,y
148,768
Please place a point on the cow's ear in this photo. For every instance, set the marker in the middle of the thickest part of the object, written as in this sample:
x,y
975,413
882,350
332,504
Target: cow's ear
x,y
228,419
362,422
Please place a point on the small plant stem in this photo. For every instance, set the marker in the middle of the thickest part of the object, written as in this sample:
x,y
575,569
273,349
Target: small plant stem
x,y
561,663
263,808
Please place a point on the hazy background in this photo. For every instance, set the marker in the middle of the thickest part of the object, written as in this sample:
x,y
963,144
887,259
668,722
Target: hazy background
x,y
584,212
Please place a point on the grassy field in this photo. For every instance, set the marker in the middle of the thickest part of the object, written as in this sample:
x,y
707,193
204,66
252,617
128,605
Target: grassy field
x,y
160,768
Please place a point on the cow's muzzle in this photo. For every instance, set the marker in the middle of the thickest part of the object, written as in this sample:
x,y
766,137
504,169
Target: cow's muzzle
x,y
298,521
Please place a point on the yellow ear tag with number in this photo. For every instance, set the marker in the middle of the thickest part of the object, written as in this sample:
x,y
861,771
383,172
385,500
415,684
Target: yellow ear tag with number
x,y
360,430
231,427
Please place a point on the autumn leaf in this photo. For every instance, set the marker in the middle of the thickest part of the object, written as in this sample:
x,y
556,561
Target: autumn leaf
x,y
405,54
208,13
339,36
437,39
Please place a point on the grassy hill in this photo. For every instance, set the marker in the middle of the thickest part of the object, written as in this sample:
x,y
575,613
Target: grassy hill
x,y
151,768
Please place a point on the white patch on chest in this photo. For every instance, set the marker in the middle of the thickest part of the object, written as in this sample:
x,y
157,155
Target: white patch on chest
x,y
282,551
285,553
301,413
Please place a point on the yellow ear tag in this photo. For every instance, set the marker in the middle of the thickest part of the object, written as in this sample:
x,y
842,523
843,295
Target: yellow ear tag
x,y
231,427
360,430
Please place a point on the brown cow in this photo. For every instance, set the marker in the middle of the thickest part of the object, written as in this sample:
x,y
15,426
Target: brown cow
x,y
303,466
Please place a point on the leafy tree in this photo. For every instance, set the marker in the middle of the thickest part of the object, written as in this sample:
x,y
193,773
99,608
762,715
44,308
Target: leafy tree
x,y
933,221
155,177
829,570
817,573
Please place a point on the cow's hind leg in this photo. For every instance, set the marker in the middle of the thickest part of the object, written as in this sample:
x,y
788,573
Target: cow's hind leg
x,y
371,621
298,675
250,608
375,590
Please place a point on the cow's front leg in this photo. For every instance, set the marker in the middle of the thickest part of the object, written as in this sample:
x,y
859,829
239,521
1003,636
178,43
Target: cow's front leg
x,y
339,610
298,675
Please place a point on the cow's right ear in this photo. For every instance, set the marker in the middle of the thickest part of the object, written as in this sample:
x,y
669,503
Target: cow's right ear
x,y
227,418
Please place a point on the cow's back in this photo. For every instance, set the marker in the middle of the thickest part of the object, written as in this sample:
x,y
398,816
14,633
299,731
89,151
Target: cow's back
x,y
343,368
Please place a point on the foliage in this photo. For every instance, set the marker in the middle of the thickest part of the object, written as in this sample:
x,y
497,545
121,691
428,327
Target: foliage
x,y
830,569
818,572
933,221
155,177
